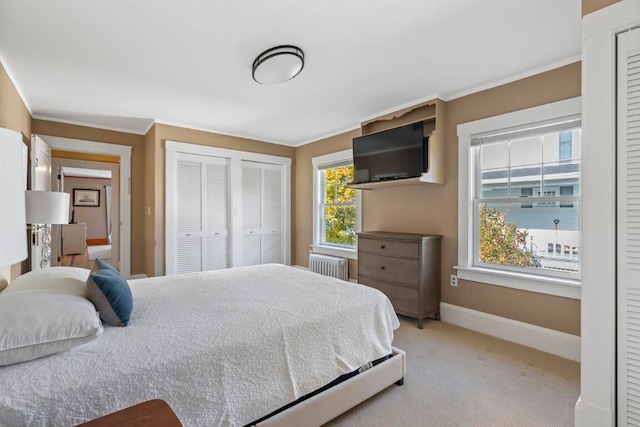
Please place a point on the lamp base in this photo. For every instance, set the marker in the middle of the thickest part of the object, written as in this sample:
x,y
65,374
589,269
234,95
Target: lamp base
x,y
42,235
45,262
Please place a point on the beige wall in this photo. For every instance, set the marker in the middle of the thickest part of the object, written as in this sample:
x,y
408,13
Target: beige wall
x,y
87,157
154,200
433,208
13,113
590,6
562,314
85,162
45,127
303,207
15,116
94,217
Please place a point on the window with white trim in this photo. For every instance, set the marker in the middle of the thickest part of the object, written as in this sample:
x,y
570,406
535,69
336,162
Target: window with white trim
x,y
519,219
336,207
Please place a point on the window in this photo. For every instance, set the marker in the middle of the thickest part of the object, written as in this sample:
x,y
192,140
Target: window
x,y
526,192
336,207
566,191
564,145
519,222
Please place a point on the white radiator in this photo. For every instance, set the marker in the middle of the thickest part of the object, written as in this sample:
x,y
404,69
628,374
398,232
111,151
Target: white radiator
x,y
329,266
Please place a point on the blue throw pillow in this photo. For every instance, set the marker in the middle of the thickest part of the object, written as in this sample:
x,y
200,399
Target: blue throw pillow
x,y
110,293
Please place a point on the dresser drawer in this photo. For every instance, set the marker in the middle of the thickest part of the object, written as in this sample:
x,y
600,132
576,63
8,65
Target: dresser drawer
x,y
398,270
403,299
389,248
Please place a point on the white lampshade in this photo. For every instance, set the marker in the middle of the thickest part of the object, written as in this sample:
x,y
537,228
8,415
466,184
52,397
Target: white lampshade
x,y
47,207
13,238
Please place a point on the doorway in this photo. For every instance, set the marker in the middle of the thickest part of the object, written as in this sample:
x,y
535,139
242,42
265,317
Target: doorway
x,y
90,232
123,152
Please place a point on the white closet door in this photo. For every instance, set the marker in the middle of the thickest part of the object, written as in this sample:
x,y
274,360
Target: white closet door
x,y
273,214
217,214
189,216
225,208
202,213
262,213
251,213
628,228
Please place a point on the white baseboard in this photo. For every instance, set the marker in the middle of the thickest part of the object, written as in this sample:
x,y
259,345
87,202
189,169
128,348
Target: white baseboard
x,y
578,414
547,340
589,415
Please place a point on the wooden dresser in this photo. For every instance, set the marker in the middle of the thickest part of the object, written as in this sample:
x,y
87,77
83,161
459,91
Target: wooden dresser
x,y
405,267
74,238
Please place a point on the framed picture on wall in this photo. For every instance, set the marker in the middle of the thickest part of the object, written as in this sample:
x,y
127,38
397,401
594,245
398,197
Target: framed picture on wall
x,y
82,197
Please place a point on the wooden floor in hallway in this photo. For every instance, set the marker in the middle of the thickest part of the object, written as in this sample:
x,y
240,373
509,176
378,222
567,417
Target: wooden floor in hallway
x,y
81,260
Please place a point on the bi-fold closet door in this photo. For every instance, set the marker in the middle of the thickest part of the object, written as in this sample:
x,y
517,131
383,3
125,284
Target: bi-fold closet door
x,y
224,211
628,228
202,202
262,213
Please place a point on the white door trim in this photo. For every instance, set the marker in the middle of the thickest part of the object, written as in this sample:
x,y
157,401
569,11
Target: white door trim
x,y
124,153
598,312
40,181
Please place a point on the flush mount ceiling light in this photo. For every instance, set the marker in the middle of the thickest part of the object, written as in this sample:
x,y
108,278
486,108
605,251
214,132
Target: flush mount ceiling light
x,y
278,64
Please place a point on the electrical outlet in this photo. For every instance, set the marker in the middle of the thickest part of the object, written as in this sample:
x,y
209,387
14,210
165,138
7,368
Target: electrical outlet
x,y
454,280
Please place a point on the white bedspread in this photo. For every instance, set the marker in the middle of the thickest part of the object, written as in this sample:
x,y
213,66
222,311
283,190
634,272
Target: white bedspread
x,y
222,348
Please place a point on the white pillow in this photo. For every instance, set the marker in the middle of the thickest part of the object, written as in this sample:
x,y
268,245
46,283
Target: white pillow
x,y
67,279
39,323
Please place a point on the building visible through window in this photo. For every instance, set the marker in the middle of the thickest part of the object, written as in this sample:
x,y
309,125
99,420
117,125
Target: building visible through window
x,y
540,233
564,146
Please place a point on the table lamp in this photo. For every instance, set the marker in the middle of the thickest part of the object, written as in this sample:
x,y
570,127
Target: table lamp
x,y
45,208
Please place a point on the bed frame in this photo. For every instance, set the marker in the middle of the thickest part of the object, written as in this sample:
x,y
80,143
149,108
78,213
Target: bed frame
x,y
327,405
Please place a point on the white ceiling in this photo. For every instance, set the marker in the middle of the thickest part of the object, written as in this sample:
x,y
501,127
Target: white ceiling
x,y
121,63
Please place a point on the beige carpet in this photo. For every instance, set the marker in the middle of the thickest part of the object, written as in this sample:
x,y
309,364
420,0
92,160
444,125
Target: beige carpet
x,y
457,377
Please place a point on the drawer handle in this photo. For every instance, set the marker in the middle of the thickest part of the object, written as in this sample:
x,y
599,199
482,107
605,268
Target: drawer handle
x,y
383,268
382,246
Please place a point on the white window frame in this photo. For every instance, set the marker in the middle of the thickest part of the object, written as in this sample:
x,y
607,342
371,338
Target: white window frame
x,y
569,288
317,246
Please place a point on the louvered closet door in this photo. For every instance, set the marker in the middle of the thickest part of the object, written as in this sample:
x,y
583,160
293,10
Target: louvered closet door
x,y
262,213
628,228
189,218
273,209
251,213
202,213
217,214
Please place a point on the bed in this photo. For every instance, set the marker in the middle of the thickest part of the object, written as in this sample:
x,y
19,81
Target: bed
x,y
227,347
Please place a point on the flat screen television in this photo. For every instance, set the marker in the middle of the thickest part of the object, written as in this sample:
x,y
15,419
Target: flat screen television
x,y
389,155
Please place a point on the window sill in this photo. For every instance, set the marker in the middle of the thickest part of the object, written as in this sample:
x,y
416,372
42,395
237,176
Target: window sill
x,y
566,288
334,251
